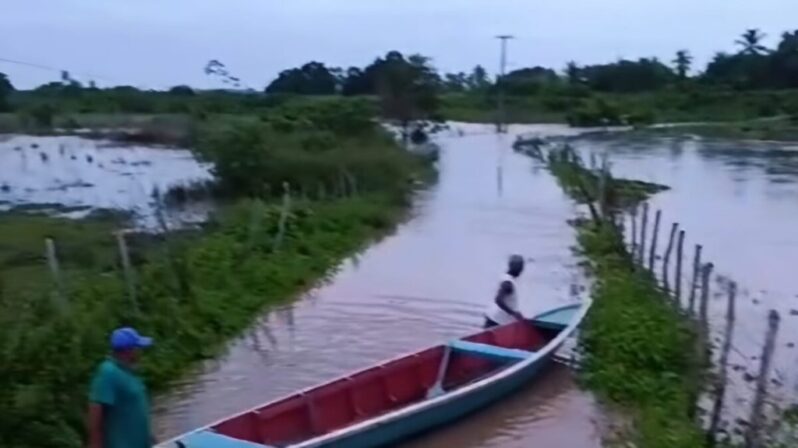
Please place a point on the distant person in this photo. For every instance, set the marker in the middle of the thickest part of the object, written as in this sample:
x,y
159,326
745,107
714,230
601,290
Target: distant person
x,y
119,410
504,308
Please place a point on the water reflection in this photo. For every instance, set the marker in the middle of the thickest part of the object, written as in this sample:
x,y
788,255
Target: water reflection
x,y
72,176
740,201
424,285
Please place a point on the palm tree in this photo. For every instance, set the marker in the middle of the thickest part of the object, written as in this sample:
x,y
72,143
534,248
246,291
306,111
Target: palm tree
x,y
750,41
682,63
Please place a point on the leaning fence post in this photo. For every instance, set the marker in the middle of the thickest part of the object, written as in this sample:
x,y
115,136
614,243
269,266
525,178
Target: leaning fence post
x,y
678,286
753,436
720,387
654,237
666,262
55,271
696,274
127,269
283,215
642,254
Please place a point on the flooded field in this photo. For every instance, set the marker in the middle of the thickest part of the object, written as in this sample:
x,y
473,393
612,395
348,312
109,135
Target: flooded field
x,y
73,176
427,283
740,201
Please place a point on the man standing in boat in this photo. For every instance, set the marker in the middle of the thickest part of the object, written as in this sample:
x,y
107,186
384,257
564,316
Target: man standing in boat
x,y
504,308
119,414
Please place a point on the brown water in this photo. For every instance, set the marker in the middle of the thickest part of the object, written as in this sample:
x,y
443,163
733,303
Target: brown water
x,y
740,201
427,283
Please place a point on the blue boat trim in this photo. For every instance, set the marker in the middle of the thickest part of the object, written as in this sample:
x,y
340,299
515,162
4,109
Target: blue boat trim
x,y
556,319
388,428
492,352
210,439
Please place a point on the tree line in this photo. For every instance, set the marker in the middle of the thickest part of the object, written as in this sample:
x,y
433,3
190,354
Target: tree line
x,y
754,66
408,88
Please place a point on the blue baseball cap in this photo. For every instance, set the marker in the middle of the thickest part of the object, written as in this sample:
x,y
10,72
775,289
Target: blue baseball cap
x,y
127,338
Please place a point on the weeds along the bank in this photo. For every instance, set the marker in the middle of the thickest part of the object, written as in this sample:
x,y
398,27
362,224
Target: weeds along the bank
x,y
194,290
638,346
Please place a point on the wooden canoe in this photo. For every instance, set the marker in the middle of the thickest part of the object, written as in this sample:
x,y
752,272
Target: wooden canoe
x,y
401,397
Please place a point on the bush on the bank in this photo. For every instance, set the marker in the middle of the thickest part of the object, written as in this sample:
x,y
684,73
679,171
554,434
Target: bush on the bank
x,y
325,148
595,112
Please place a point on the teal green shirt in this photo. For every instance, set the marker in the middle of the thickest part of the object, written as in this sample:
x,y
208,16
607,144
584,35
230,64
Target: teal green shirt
x,y
126,419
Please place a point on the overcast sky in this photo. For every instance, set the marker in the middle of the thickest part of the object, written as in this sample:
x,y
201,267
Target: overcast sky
x,y
160,43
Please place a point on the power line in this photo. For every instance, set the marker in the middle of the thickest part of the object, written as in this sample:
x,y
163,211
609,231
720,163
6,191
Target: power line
x,y
53,69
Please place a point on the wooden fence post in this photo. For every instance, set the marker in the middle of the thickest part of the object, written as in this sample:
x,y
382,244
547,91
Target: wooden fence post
x,y
603,186
127,270
678,286
720,385
634,233
703,310
654,237
55,271
696,276
283,216
642,254
753,436
667,260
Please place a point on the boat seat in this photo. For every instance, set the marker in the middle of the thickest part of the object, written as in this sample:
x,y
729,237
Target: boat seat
x,y
491,352
210,439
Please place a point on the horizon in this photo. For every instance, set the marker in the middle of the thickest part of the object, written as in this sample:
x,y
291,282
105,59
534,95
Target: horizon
x,y
169,44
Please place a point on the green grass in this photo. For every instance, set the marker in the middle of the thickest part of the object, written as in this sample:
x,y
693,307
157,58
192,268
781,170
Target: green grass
x,y
48,352
779,129
638,347
696,104
483,109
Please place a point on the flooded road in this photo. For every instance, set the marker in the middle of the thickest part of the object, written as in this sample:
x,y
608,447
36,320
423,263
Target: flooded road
x,y
740,201
427,283
73,176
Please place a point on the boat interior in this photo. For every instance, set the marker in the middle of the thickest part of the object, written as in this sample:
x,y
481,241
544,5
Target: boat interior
x,y
381,389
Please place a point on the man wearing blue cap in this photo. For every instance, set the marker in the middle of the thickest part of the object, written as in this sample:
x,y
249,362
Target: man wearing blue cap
x,y
119,414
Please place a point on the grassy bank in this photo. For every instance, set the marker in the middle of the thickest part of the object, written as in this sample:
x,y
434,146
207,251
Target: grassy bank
x,y
776,129
637,346
587,108
638,352
194,290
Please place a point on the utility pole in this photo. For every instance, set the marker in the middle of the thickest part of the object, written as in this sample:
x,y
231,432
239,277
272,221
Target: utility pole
x,y
502,118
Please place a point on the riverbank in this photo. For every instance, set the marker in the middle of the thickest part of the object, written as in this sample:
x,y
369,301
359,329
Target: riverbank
x,y
634,340
761,111
193,292
778,129
316,187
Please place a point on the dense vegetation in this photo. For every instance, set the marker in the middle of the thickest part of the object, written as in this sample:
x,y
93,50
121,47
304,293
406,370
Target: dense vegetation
x,y
349,182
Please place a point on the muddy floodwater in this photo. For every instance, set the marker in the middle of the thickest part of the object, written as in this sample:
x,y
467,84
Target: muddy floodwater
x,y
427,283
740,201
73,176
